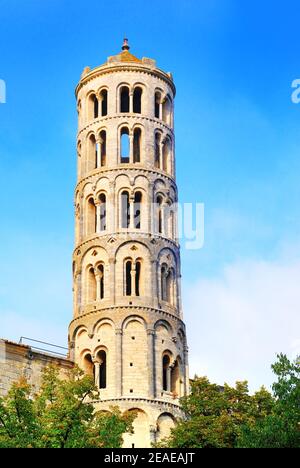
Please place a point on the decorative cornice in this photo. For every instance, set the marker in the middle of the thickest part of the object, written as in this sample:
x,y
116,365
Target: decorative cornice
x,y
123,116
127,67
129,167
156,402
103,238
108,310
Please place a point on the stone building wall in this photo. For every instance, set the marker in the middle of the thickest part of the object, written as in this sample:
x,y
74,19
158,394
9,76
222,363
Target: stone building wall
x,y
19,360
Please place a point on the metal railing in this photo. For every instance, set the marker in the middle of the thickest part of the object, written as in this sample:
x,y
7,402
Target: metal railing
x,y
37,348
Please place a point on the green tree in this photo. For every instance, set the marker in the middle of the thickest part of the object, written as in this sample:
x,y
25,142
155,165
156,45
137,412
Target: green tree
x,y
215,415
281,428
60,415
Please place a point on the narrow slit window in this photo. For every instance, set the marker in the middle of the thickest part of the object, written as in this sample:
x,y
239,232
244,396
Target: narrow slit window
x,y
102,369
103,148
92,286
137,210
125,146
137,278
125,210
137,100
159,215
157,150
166,365
128,267
157,100
102,200
137,145
101,281
92,217
103,97
124,99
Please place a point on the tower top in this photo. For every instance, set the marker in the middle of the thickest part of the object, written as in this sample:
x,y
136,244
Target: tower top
x,y
123,60
125,45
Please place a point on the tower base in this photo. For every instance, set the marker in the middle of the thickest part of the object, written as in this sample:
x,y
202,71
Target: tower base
x,y
154,421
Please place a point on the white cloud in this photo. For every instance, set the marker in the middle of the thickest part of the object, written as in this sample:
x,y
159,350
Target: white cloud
x,y
238,321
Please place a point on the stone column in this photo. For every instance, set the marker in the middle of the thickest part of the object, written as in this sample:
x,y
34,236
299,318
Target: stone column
x,y
97,373
131,102
151,209
111,208
131,211
151,363
112,275
98,285
161,146
119,364
98,152
79,287
186,369
97,205
133,279
169,370
131,148
154,282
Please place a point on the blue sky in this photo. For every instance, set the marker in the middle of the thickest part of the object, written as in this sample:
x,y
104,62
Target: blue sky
x,y
237,147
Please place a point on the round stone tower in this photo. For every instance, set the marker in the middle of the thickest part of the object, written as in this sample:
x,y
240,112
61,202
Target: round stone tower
x,y
127,328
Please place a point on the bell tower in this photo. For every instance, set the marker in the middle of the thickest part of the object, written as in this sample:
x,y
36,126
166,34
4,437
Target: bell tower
x,y
127,330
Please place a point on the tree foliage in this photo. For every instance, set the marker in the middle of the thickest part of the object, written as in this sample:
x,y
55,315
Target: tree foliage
x,y
281,428
229,417
61,415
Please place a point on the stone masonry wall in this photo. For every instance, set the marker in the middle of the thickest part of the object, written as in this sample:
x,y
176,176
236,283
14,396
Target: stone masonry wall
x,y
18,360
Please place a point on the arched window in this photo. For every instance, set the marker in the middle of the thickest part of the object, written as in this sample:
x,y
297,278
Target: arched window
x,y
163,277
137,100
167,110
159,221
125,145
91,216
88,365
166,373
100,281
169,286
128,286
175,378
157,150
137,210
157,105
137,277
132,277
92,152
91,285
102,369
102,209
125,210
102,155
93,107
124,99
79,111
167,281
79,162
137,136
167,155
103,102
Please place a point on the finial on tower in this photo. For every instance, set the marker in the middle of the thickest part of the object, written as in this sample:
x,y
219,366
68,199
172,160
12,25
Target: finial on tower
x,y
125,45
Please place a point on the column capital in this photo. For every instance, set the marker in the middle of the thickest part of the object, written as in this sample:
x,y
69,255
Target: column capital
x,y
150,331
118,331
